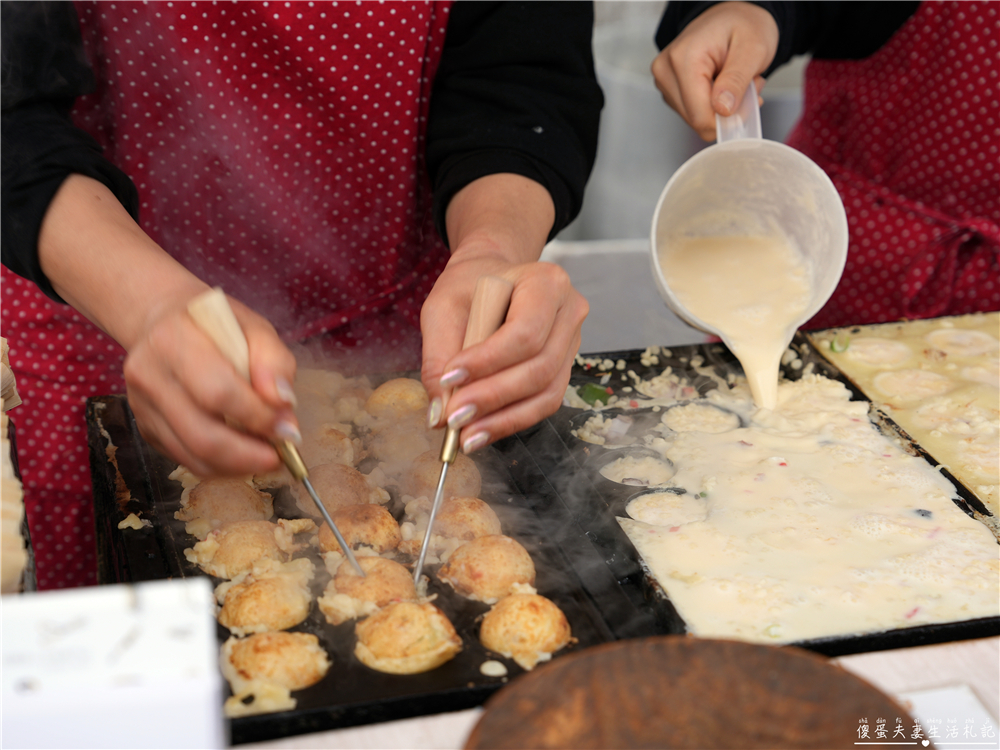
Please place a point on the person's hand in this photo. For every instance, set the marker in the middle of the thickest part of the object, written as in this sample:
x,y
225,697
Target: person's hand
x,y
180,386
710,64
518,375
188,399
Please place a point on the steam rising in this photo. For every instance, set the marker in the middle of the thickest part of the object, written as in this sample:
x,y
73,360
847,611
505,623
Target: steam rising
x,y
259,182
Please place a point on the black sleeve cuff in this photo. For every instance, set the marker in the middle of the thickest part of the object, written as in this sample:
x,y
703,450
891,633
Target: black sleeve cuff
x,y
41,148
793,37
459,170
515,92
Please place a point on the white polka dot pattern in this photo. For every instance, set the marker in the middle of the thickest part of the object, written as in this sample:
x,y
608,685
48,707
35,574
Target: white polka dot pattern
x,y
910,137
278,148
60,360
278,151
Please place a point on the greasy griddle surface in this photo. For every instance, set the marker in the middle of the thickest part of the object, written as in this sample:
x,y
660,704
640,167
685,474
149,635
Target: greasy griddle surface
x,y
594,501
350,693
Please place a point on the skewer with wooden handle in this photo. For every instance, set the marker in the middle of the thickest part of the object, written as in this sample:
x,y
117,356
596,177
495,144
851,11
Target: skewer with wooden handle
x,y
213,315
489,308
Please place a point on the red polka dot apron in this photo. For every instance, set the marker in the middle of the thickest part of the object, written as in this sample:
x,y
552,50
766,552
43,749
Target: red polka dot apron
x,y
278,152
910,137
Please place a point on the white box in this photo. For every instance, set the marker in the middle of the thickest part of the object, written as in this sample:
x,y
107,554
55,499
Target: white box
x,y
122,666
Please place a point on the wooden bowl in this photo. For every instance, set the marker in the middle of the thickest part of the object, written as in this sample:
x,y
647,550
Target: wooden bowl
x,y
681,692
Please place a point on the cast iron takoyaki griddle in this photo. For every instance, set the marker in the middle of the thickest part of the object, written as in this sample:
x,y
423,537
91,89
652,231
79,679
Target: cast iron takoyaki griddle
x,y
350,694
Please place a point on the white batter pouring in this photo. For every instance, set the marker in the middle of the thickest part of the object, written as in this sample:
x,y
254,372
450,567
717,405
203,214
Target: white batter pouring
x,y
752,289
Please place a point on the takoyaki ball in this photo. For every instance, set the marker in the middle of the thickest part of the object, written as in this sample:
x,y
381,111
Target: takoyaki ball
x,y
327,445
466,518
272,480
337,486
362,525
463,478
314,385
488,568
233,548
398,444
214,502
398,399
406,638
264,668
185,476
459,519
348,595
270,597
527,628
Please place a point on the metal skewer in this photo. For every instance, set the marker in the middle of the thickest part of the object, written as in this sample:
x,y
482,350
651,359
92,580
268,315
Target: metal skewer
x,y
297,467
213,315
448,452
488,310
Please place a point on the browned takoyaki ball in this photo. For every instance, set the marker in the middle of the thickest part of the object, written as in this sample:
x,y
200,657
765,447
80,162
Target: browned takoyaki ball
x,y
349,595
291,660
214,502
338,486
488,568
327,445
276,599
466,518
264,668
318,385
463,478
459,519
525,627
233,548
406,638
397,444
398,399
362,525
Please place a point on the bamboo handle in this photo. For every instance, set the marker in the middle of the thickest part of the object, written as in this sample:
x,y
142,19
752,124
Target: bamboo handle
x,y
490,301
214,316
489,308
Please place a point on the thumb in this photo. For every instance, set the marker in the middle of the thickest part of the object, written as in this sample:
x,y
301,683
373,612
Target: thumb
x,y
729,89
744,63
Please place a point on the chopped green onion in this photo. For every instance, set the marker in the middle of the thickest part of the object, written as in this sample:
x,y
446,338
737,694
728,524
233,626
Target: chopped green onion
x,y
592,393
840,343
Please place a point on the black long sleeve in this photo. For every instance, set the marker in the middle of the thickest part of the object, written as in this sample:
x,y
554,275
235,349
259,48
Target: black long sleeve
x,y
831,30
516,92
44,69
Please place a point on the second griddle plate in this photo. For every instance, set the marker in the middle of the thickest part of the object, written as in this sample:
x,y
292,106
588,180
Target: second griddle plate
x,y
593,502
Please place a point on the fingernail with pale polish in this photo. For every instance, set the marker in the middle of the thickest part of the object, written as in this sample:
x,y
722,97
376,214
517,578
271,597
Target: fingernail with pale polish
x,y
454,377
288,431
727,100
475,442
285,392
434,413
462,417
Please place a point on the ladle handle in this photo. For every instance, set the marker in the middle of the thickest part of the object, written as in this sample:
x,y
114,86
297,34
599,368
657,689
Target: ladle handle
x,y
744,122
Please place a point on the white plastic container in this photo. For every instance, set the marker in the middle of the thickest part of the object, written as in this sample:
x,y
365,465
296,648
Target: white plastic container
x,y
745,185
